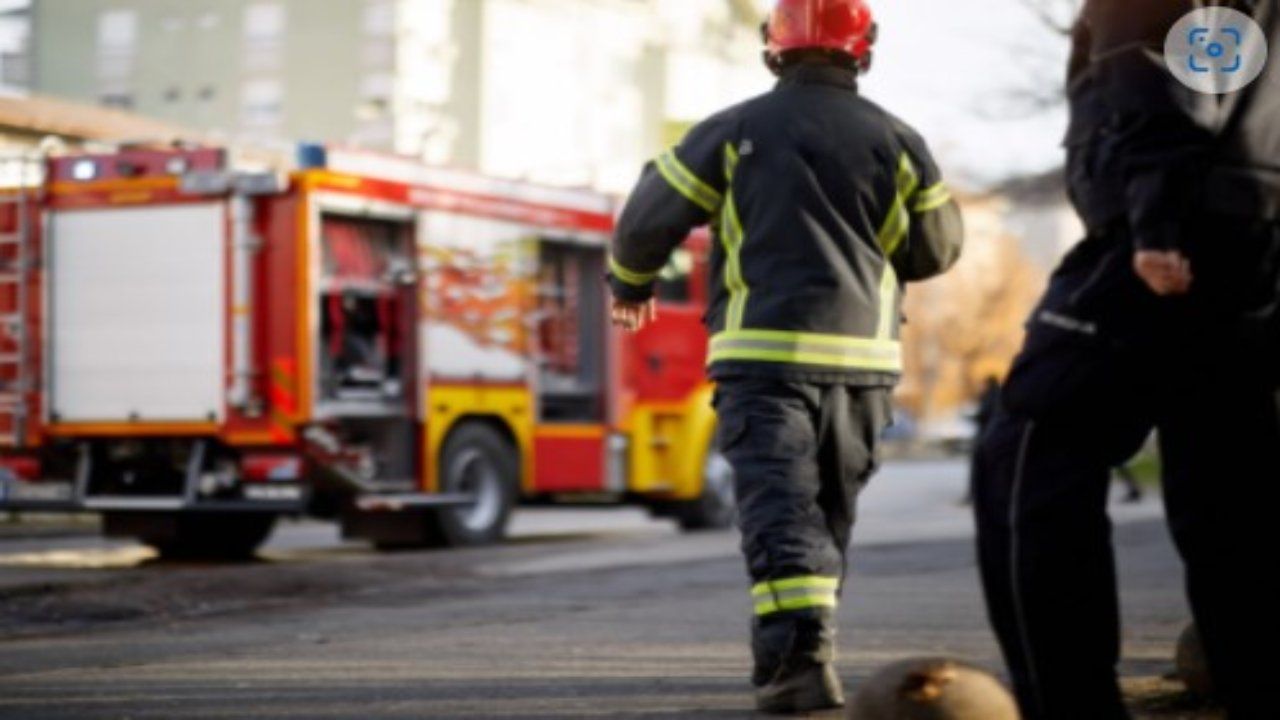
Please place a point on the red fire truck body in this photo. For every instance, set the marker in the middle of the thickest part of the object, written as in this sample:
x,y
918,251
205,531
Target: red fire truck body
x,y
193,350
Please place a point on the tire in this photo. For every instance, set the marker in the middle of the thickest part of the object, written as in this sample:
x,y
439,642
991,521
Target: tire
x,y
477,460
716,508
198,536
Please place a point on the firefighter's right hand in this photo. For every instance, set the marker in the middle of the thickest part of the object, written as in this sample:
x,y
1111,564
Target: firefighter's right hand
x,y
632,317
1165,272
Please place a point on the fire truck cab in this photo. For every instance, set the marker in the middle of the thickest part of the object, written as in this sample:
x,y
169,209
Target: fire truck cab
x,y
193,348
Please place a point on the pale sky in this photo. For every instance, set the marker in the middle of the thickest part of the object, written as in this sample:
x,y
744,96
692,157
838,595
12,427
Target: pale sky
x,y
954,70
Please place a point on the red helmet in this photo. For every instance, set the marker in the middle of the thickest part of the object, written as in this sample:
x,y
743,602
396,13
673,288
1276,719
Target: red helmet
x,y
844,26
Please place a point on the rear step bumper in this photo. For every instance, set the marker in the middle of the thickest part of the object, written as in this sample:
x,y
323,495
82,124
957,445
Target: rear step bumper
x,y
60,498
18,496
292,497
148,505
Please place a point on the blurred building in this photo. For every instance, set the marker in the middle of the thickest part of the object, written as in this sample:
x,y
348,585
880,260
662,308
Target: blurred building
x,y
565,91
14,37
1037,211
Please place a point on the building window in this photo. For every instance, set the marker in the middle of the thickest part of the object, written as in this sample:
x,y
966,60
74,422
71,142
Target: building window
x,y
262,103
117,31
378,54
119,100
379,18
172,94
264,28
375,97
379,86
15,69
264,23
207,93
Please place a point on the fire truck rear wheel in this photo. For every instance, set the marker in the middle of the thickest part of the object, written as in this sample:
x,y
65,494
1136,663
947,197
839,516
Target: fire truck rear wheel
x,y
204,536
478,461
716,508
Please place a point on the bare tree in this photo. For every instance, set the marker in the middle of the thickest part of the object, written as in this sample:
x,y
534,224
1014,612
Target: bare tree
x,y
1044,86
1058,15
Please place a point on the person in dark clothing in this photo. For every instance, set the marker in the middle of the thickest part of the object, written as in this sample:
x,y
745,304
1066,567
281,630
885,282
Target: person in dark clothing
x,y
1164,316
988,402
823,206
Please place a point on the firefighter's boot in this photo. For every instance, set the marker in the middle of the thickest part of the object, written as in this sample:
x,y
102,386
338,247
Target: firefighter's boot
x,y
795,655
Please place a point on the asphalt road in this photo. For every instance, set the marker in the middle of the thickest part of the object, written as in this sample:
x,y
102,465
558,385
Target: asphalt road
x,y
584,614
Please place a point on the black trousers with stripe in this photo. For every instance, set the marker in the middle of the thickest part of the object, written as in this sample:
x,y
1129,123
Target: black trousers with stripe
x,y
1077,405
801,454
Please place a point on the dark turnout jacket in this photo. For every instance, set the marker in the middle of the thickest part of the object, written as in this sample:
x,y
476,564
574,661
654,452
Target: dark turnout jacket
x,y
822,204
1148,152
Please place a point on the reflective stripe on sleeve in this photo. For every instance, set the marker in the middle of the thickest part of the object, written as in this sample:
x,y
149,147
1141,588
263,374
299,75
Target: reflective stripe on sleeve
x,y
631,277
683,181
898,223
850,353
931,198
797,593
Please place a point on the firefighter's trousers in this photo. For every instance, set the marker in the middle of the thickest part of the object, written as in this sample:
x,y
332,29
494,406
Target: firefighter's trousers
x,y
1078,404
801,453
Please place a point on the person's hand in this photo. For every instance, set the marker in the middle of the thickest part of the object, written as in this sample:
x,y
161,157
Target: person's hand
x,y
632,317
1165,272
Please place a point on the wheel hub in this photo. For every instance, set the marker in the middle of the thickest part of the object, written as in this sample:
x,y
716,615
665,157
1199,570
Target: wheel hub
x,y
473,474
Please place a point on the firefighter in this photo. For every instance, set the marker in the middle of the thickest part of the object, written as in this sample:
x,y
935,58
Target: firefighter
x,y
823,205
1164,316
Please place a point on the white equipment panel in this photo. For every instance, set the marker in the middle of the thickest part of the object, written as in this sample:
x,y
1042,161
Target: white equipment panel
x,y
138,313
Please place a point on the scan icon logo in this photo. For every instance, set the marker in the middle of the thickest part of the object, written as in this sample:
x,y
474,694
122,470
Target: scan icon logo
x,y
1216,50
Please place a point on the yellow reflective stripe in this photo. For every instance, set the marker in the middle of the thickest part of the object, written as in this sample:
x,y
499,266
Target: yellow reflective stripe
x,y
794,603
870,354
800,358
888,302
795,594
805,581
734,280
834,342
631,277
732,236
731,159
683,181
898,223
895,228
931,198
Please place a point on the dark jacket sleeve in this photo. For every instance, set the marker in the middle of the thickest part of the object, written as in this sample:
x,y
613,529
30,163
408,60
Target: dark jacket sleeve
x,y
935,231
680,190
1160,145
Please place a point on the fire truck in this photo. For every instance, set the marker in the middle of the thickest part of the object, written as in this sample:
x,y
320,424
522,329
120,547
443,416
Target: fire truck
x,y
192,347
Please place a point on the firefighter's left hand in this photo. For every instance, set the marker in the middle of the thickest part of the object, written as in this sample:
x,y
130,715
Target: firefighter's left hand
x,y
632,317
